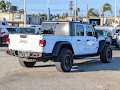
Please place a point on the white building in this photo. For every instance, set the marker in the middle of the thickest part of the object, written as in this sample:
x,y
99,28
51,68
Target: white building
x,y
17,20
34,20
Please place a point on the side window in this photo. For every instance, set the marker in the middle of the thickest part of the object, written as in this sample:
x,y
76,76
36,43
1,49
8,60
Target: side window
x,y
89,31
79,30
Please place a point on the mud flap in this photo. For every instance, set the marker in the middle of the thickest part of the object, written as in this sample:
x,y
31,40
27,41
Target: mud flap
x,y
101,46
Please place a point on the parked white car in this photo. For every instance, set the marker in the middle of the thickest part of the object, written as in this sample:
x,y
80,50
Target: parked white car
x,y
60,42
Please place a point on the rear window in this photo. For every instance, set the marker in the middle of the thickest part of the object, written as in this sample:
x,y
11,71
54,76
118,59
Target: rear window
x,y
11,30
55,29
27,31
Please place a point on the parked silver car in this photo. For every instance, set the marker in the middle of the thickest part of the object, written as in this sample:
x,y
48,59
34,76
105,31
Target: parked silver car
x,y
112,33
118,40
103,33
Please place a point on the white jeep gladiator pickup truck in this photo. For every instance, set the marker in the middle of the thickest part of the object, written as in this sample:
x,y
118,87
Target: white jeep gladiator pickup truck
x,y
60,42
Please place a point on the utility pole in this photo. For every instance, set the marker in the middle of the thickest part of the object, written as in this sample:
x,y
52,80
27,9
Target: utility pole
x,y
115,13
24,13
87,10
87,15
75,10
48,11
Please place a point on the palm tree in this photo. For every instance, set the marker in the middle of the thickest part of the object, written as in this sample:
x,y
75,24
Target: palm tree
x,y
77,11
106,7
65,15
8,6
3,6
21,11
92,12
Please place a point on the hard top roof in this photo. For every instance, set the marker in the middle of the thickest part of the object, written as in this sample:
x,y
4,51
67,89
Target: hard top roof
x,y
69,22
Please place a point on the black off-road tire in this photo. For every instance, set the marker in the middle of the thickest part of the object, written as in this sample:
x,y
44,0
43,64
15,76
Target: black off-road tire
x,y
25,63
64,60
106,55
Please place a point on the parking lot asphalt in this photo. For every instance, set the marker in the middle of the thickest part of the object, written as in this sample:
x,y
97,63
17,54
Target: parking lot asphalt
x,y
87,74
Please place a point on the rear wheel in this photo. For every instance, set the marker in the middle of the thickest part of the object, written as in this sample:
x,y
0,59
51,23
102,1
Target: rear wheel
x,y
106,55
64,60
25,63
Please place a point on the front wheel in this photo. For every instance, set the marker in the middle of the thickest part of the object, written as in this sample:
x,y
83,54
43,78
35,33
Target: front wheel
x,y
64,60
106,55
26,64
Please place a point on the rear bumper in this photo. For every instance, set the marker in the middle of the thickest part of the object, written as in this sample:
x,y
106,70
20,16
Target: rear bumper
x,y
32,55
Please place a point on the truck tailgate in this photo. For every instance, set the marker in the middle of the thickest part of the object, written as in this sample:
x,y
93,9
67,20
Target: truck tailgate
x,y
25,42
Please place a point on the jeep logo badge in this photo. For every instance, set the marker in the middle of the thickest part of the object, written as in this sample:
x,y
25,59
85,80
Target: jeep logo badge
x,y
23,41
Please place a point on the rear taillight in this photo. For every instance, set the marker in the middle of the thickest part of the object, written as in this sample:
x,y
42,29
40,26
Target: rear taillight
x,y
7,41
9,52
42,43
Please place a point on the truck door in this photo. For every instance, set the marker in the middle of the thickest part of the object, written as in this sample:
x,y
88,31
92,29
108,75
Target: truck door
x,y
91,42
79,39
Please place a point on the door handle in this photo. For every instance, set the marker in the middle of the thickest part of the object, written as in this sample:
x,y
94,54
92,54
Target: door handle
x,y
88,40
78,40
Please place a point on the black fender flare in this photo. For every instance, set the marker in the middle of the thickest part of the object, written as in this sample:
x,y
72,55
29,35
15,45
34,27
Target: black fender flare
x,y
57,47
102,43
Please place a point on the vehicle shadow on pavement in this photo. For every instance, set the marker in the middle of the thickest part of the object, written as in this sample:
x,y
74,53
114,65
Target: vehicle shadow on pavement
x,y
44,66
92,64
114,48
95,65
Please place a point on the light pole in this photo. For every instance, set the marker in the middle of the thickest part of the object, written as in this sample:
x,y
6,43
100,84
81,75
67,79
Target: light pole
x,y
48,17
115,13
24,13
75,9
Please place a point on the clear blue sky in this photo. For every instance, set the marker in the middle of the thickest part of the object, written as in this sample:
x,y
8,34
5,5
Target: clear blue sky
x,y
60,6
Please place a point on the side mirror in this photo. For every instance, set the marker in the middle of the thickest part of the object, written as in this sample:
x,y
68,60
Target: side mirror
x,y
96,35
